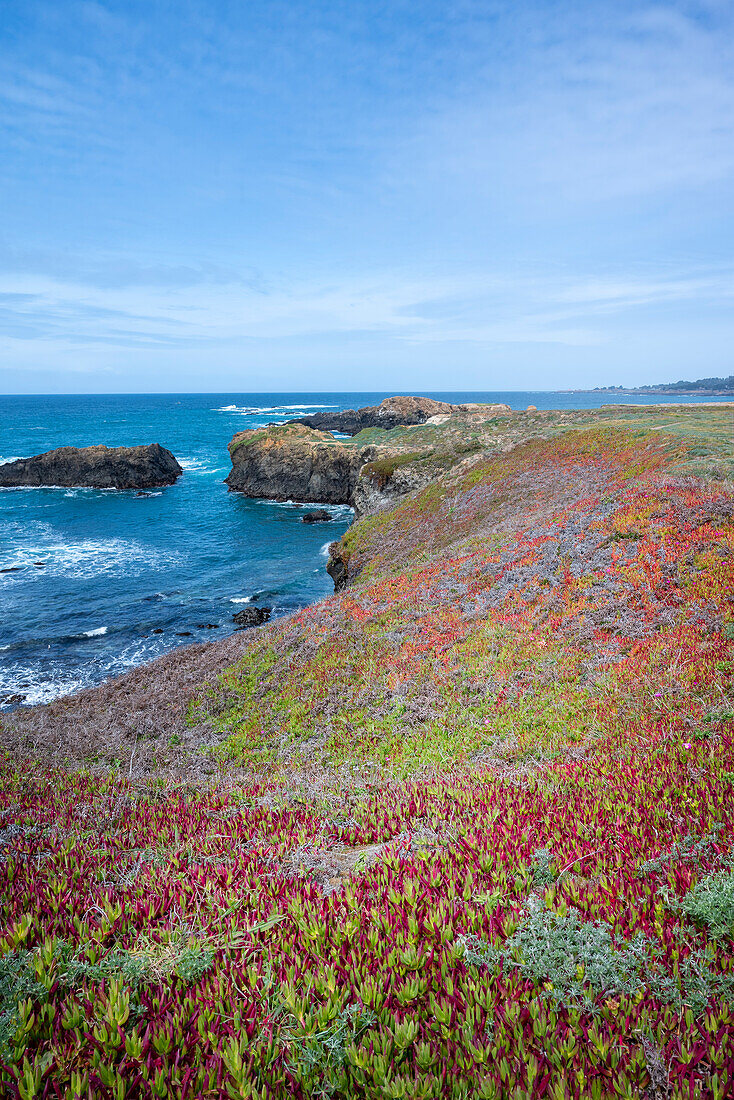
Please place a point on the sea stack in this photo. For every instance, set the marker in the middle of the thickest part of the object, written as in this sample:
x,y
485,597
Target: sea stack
x,y
99,467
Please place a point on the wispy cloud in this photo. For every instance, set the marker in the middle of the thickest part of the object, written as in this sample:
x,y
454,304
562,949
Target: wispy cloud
x,y
530,309
528,184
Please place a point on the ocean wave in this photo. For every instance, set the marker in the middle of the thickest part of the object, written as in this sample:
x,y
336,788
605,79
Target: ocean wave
x,y
35,688
12,458
240,599
90,558
324,551
254,409
94,633
199,466
336,511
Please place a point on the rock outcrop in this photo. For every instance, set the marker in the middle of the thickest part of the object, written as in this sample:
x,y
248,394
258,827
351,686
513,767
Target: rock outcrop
x,y
143,467
382,484
319,516
337,564
396,412
294,462
252,616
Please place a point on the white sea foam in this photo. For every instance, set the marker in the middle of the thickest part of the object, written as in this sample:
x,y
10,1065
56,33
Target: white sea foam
x,y
90,558
94,633
324,551
254,409
240,599
198,466
35,689
12,458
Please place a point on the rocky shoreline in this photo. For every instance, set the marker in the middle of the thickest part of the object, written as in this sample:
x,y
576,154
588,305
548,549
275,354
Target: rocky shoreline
x,y
302,460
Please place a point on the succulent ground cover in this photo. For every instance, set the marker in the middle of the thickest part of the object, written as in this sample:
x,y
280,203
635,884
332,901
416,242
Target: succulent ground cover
x,y
471,834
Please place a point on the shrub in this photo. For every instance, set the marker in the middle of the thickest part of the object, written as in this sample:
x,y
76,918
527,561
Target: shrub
x,y
711,902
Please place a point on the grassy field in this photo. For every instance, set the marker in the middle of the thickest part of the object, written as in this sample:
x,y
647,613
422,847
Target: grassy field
x,y
464,830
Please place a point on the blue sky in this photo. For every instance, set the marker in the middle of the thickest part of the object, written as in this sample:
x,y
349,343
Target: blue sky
x,y
364,195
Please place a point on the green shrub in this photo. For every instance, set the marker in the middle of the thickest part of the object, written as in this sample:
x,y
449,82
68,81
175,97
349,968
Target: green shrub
x,y
711,903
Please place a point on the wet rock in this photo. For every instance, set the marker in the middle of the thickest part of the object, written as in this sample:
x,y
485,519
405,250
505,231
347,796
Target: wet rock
x,y
12,698
252,616
98,467
319,516
11,569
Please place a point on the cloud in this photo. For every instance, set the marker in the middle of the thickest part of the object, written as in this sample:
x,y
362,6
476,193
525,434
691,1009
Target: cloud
x,y
608,103
120,271
531,309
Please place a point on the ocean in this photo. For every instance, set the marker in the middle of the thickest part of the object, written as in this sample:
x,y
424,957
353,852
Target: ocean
x,y
104,580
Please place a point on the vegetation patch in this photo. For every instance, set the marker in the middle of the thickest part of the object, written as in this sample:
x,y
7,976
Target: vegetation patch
x,y
462,836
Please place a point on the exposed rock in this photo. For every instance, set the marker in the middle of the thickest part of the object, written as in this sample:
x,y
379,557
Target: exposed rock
x,y
11,699
336,566
393,412
319,516
475,413
381,485
98,467
252,616
396,412
532,409
293,462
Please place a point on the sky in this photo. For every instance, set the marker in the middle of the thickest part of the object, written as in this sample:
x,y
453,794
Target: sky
x,y
202,195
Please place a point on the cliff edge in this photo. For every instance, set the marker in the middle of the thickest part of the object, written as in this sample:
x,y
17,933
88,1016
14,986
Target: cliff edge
x,y
293,462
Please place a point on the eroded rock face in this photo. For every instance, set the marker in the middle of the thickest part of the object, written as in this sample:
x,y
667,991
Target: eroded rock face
x,y
336,566
396,412
374,494
294,462
143,467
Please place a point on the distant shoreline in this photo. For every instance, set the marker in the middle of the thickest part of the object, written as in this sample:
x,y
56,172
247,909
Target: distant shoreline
x,y
662,392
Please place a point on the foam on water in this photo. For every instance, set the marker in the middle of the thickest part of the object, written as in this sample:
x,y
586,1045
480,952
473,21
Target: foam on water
x,y
199,466
87,558
254,410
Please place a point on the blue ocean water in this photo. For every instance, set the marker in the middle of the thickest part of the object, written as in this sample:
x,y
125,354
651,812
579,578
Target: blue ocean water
x,y
105,580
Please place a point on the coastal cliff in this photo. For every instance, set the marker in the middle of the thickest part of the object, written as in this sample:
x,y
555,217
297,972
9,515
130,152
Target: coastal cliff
x,y
373,469
99,467
294,462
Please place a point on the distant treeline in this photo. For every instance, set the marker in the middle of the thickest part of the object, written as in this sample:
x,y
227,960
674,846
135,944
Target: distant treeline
x,y
702,385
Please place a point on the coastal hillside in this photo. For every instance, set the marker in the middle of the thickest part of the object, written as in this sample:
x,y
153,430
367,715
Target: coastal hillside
x,y
464,829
